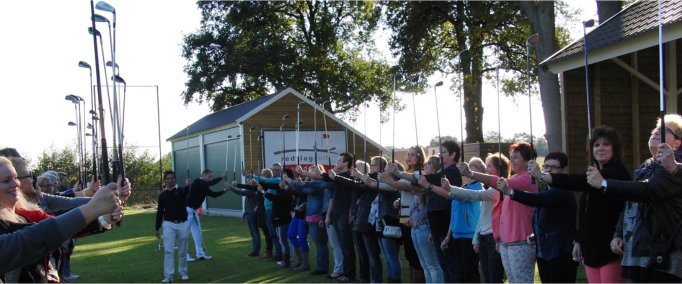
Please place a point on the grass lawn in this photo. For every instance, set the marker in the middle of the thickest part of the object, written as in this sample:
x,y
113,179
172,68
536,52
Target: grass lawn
x,y
130,254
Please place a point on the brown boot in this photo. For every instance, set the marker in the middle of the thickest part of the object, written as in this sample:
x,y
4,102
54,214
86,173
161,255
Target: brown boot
x,y
268,254
286,261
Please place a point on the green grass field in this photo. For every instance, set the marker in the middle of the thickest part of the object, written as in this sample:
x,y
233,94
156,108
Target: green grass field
x,y
130,254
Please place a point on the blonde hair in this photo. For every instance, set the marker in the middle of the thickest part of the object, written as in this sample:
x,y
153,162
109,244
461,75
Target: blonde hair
x,y
672,120
7,213
266,173
362,166
435,163
478,163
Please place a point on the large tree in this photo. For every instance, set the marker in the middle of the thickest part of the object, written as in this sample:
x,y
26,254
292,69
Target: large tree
x,y
429,36
247,49
542,19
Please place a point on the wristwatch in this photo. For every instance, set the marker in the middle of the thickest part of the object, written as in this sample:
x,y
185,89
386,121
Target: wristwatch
x,y
603,185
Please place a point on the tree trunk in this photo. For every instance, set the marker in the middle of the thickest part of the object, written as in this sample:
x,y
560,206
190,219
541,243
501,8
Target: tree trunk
x,y
606,9
541,17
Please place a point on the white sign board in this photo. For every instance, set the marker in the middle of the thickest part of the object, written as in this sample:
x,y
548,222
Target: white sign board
x,y
285,153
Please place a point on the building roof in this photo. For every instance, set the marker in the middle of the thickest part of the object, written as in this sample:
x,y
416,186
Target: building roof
x,y
223,117
244,111
632,22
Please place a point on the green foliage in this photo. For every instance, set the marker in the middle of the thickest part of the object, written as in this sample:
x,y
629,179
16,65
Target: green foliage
x,y
539,142
434,140
142,169
429,36
61,160
324,49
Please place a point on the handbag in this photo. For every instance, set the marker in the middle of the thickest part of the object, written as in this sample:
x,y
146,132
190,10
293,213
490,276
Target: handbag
x,y
391,231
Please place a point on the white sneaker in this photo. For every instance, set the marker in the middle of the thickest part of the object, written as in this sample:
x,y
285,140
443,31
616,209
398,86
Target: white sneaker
x,y
184,277
167,280
71,277
190,259
205,257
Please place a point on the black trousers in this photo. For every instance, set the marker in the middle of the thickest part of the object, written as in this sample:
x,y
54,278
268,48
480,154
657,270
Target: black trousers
x,y
561,269
466,261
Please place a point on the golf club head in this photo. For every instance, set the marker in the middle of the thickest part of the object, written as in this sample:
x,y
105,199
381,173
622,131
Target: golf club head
x,y
104,6
96,31
74,99
463,52
100,19
589,23
84,64
118,79
110,64
536,37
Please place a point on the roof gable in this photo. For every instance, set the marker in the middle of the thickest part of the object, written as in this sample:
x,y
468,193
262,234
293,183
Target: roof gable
x,y
629,24
225,116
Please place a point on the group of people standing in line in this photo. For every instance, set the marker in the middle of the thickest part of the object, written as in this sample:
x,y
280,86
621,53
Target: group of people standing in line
x,y
504,214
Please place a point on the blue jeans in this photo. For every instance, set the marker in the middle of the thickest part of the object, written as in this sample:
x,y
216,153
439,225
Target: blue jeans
x,y
445,258
298,234
319,236
428,257
273,233
343,232
372,246
252,221
283,241
391,249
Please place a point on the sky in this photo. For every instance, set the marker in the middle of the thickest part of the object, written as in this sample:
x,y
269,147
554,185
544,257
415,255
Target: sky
x,y
43,41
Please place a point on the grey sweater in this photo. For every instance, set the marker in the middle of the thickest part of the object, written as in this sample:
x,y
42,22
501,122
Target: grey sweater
x,y
25,246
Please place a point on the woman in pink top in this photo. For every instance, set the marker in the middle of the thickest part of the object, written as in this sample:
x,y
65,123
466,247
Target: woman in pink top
x,y
515,219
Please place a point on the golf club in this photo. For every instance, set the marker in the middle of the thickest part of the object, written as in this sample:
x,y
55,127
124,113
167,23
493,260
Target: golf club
x,y
397,75
298,132
104,161
532,39
326,133
461,107
83,64
381,152
661,71
227,149
251,149
499,123
435,95
587,24
414,80
281,130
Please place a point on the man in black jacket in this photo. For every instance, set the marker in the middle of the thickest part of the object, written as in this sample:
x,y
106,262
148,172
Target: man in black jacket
x,y
199,189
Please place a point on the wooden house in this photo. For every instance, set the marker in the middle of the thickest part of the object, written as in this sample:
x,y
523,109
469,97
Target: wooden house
x,y
258,133
623,79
